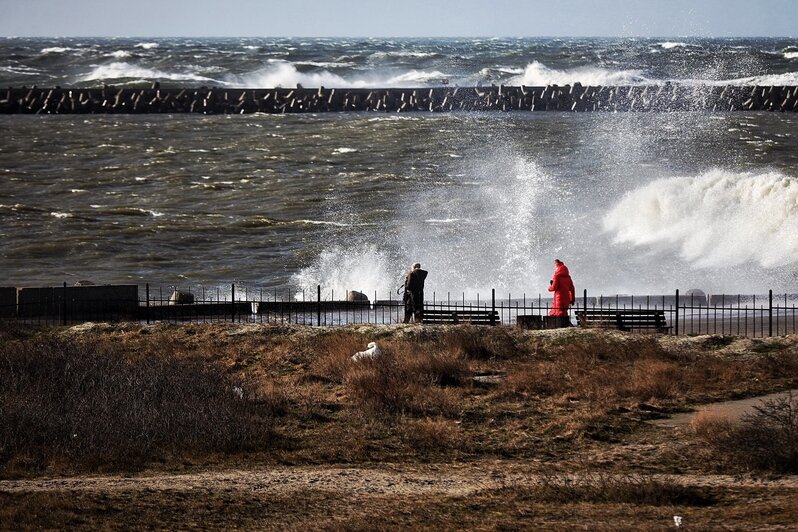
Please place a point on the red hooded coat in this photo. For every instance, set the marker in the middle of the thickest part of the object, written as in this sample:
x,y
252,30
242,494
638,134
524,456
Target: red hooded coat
x,y
564,292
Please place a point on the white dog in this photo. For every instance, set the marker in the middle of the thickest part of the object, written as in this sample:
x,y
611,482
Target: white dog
x,y
371,353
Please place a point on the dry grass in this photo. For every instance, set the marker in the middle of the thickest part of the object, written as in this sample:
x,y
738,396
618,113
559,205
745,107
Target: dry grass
x,y
100,408
764,440
605,488
305,401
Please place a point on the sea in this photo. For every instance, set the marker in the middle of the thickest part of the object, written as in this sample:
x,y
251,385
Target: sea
x,y
634,203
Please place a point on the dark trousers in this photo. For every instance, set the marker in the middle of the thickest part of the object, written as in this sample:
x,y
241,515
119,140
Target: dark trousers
x,y
413,308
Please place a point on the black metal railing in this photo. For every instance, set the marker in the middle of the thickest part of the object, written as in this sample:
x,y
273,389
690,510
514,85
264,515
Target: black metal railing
x,y
759,315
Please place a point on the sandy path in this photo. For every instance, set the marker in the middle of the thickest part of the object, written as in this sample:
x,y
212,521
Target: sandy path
x,y
440,480
731,409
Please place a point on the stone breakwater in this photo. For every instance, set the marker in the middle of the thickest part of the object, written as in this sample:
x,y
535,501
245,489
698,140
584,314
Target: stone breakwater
x,y
577,98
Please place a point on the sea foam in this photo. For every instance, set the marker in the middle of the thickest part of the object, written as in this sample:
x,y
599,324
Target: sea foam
x,y
538,74
122,70
713,220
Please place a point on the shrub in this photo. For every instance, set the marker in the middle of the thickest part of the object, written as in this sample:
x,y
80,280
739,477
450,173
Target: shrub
x,y
763,440
92,406
431,435
653,379
624,489
410,384
469,342
334,356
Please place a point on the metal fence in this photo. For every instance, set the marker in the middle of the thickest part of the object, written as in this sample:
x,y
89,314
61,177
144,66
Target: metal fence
x,y
759,315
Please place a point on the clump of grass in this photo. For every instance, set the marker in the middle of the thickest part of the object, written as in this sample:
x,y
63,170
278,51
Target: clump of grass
x,y
471,344
79,405
333,357
653,379
603,488
403,381
764,440
431,435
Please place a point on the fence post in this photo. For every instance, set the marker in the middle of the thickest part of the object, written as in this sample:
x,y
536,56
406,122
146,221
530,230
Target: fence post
x,y
318,305
676,329
584,303
770,312
147,290
65,303
493,306
233,301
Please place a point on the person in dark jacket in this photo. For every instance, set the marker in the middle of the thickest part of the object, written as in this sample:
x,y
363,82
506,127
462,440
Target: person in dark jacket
x,y
564,292
414,294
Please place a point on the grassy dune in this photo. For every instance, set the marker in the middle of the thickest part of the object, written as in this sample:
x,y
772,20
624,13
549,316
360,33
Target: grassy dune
x,y
562,410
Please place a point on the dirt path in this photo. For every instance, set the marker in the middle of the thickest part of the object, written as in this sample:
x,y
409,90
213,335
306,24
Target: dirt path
x,y
731,409
450,480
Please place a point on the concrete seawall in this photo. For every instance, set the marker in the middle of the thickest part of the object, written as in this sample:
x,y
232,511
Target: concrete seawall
x,y
566,98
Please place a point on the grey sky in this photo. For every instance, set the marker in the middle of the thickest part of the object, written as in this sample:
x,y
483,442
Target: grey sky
x,y
407,18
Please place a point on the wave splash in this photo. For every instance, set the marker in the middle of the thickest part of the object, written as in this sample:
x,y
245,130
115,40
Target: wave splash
x,y
714,220
496,243
122,70
278,73
538,74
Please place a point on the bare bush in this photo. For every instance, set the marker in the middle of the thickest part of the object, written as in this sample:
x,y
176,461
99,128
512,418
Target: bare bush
x,y
333,357
410,384
763,440
431,435
91,407
604,488
471,344
653,379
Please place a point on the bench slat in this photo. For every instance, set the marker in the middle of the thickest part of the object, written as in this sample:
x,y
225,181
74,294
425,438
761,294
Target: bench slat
x,y
623,319
472,316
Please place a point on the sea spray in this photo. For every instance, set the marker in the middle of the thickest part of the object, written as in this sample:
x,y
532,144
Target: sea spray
x,y
538,74
714,220
365,268
492,234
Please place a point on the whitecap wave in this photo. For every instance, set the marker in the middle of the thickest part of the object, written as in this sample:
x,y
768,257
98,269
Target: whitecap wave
x,y
147,45
537,74
119,54
403,53
414,76
121,70
280,73
714,220
670,45
790,55
325,64
55,50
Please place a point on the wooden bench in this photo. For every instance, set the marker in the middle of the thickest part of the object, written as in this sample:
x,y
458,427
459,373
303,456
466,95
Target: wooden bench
x,y
623,319
472,316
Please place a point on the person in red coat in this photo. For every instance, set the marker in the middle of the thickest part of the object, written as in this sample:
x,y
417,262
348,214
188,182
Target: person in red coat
x,y
564,292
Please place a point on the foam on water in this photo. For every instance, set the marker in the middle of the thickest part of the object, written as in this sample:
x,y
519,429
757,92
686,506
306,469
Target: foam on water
x,y
121,70
538,74
713,220
670,45
280,73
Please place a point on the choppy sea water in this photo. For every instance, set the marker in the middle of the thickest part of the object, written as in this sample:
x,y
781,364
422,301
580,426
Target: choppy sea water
x,y
634,203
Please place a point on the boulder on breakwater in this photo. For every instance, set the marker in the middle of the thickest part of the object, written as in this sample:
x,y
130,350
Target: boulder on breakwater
x,y
565,98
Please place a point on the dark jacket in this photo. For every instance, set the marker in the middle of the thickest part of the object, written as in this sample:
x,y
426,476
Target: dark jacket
x,y
414,285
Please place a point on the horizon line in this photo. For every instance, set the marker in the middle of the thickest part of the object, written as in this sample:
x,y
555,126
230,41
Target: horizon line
x,y
516,37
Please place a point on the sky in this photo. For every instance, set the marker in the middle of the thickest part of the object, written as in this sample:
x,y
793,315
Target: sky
x,y
402,18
